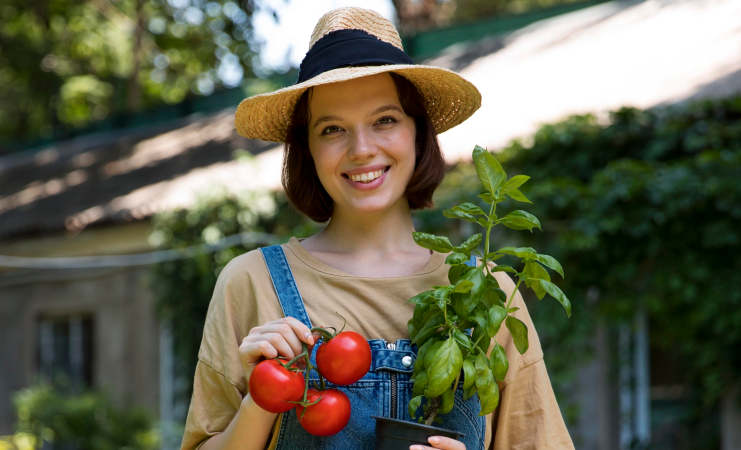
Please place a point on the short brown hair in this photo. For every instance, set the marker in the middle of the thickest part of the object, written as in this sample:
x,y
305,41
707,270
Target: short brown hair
x,y
301,182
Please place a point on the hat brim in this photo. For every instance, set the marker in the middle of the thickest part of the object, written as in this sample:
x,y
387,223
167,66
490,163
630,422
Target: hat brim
x,y
449,99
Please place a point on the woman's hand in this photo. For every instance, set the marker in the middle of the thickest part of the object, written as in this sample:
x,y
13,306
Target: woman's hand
x,y
440,442
282,337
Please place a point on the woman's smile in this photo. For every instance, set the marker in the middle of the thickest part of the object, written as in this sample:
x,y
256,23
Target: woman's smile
x,y
368,179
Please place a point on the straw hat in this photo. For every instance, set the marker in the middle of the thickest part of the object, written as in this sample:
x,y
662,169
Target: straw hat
x,y
350,43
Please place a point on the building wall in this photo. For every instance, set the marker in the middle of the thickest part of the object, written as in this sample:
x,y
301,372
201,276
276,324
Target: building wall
x,y
125,353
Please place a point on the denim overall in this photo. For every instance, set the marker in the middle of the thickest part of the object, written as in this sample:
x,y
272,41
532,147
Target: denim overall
x,y
384,391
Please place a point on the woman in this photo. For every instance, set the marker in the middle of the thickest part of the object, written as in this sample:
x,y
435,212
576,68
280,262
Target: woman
x,y
360,128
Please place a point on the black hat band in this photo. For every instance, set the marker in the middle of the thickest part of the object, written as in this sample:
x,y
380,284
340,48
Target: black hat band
x,y
348,48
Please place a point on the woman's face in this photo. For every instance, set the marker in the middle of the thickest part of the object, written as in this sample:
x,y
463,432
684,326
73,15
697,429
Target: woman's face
x,y
362,142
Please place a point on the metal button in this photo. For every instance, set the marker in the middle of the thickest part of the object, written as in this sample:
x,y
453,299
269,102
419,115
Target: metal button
x,y
406,361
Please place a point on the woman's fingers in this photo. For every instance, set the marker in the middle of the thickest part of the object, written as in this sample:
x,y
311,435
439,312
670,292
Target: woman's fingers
x,y
289,335
440,442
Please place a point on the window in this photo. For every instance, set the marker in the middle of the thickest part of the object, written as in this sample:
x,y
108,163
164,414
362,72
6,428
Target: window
x,y
65,349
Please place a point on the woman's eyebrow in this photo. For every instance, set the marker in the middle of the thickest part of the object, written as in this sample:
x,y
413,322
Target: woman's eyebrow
x,y
326,119
386,108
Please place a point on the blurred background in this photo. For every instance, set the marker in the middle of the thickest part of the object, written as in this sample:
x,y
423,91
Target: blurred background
x,y
124,190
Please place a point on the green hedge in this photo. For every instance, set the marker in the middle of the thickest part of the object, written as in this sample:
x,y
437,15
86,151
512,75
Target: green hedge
x,y
85,421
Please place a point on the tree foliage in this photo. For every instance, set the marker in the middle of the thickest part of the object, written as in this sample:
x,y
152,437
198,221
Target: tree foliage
x,y
647,211
71,62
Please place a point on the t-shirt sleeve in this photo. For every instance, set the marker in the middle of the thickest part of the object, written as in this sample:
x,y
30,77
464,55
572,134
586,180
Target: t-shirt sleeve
x,y
528,416
214,404
220,384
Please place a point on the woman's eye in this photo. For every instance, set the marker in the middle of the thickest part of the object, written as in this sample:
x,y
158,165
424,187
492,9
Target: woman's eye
x,y
330,129
385,120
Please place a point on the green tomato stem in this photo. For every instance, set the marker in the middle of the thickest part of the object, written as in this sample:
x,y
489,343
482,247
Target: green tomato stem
x,y
325,334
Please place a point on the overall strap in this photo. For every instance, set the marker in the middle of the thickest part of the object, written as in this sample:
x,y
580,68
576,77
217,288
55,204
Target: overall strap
x,y
471,262
284,284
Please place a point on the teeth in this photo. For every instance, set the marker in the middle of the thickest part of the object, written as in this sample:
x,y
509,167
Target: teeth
x,y
367,177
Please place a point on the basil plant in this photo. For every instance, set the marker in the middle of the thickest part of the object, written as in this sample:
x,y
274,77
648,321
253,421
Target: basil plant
x,y
453,325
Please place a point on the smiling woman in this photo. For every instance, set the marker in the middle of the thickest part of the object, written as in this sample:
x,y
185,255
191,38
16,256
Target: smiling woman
x,y
402,107
360,128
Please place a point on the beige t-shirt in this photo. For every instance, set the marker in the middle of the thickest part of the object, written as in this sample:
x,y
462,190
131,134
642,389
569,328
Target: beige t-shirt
x,y
527,417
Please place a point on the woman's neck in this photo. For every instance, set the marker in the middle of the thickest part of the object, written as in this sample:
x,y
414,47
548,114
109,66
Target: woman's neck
x,y
385,232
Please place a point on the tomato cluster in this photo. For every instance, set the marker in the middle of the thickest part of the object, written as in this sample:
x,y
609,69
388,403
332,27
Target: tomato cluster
x,y
343,358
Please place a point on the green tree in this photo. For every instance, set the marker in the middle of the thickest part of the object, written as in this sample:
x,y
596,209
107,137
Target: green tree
x,y
70,62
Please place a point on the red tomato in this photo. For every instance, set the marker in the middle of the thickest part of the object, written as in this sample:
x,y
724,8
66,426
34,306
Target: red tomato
x,y
344,359
272,386
327,417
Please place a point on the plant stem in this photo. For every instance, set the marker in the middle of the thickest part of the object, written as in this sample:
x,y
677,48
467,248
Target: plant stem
x,y
486,246
513,293
432,410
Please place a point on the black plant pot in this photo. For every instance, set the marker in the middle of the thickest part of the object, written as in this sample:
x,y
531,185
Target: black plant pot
x,y
395,434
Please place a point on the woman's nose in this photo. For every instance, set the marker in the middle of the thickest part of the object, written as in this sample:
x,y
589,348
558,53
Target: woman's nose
x,y
362,146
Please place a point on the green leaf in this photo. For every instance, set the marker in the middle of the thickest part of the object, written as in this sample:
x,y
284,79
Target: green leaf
x,y
456,258
440,296
420,298
551,262
486,196
534,272
440,244
419,362
515,194
430,355
465,211
490,172
512,309
503,268
430,327
470,299
462,339
494,318
445,368
469,372
455,272
420,384
520,220
454,214
470,244
418,315
493,256
520,252
470,208
514,182
413,405
556,293
447,402
518,330
484,341
498,362
486,385
468,393
463,286
410,328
